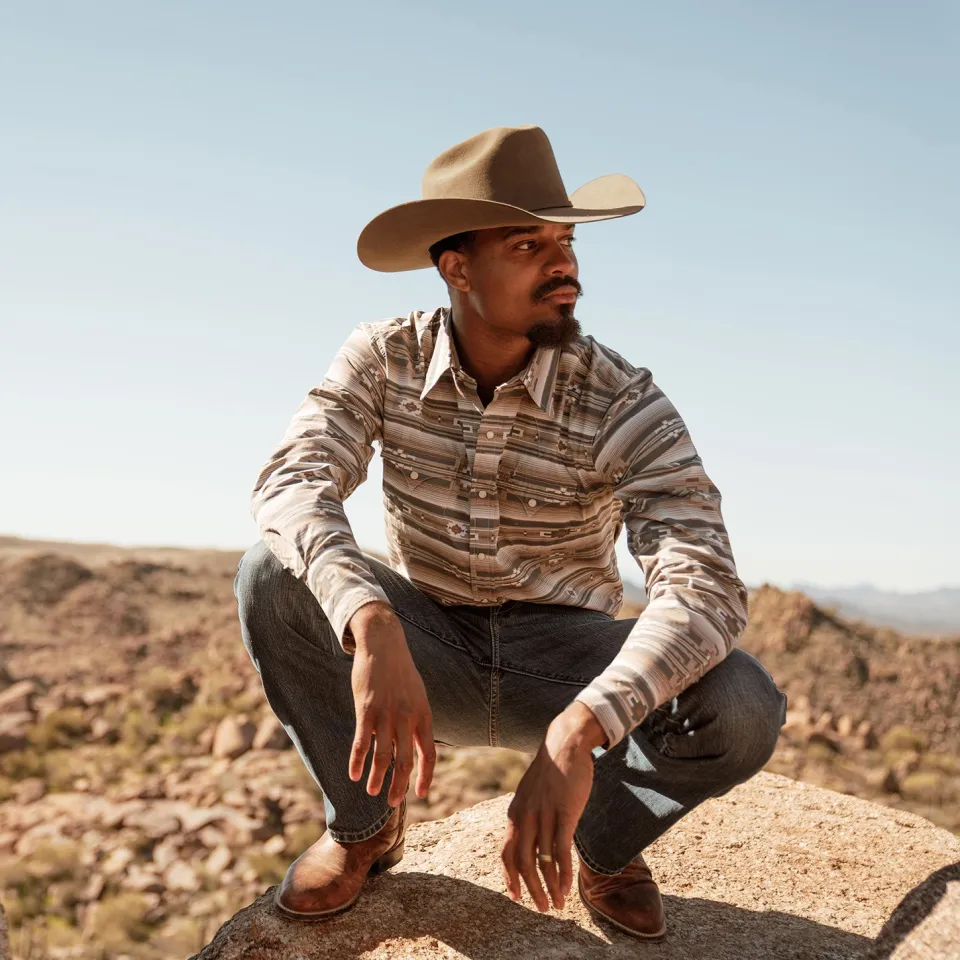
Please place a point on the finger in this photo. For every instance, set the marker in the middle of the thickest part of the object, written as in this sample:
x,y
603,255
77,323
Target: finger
x,y
508,856
361,744
382,755
526,862
402,765
562,844
426,759
548,868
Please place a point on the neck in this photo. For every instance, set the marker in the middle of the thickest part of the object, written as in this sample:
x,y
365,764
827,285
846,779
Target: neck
x,y
488,354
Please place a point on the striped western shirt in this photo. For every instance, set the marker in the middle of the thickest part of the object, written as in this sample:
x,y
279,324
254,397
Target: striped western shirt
x,y
521,499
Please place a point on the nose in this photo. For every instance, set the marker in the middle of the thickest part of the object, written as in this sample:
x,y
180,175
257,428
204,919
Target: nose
x,y
562,260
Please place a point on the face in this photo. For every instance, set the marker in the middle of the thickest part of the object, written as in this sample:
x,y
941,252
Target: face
x,y
520,280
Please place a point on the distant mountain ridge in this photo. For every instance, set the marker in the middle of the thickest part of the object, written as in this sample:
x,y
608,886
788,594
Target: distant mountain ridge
x,y
925,611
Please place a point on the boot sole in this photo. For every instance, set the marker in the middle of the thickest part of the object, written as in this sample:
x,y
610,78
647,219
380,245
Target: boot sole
x,y
390,859
600,915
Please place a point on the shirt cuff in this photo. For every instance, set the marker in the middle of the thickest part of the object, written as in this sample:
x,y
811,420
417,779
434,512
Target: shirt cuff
x,y
608,715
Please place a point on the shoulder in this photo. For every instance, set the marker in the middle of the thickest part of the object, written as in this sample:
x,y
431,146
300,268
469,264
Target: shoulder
x,y
400,335
604,373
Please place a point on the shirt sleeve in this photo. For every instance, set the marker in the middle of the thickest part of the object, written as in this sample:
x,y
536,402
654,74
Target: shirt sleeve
x,y
298,498
697,605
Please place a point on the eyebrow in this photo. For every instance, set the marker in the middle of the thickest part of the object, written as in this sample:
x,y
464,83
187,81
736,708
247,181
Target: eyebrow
x,y
514,231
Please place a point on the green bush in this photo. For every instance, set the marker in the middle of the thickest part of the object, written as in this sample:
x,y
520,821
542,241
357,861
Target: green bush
x,y
927,786
119,919
59,728
902,738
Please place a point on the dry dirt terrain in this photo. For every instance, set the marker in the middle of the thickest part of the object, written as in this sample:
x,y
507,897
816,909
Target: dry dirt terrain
x,y
147,793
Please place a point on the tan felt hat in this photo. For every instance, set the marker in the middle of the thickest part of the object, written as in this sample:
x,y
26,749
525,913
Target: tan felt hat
x,y
503,177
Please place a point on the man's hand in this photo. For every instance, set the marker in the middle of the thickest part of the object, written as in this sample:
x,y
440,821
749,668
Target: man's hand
x,y
547,806
391,705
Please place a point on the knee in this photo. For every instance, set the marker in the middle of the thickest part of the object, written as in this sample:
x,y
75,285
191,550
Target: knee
x,y
751,710
258,583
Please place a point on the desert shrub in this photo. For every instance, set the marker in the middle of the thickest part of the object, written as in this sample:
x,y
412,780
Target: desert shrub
x,y
902,738
6,788
200,716
139,729
60,934
270,867
927,786
13,872
59,859
119,919
945,762
59,728
163,691
180,937
20,764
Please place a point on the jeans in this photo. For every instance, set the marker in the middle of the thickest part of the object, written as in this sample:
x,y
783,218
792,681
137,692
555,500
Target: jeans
x,y
497,676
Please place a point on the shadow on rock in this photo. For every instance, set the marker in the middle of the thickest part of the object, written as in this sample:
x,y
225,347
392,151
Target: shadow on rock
x,y
925,921
427,913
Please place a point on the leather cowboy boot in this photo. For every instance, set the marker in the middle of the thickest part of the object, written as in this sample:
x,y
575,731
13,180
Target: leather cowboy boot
x,y
326,878
630,899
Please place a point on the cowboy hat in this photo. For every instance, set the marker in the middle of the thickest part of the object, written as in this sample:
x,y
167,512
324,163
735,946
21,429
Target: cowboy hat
x,y
503,177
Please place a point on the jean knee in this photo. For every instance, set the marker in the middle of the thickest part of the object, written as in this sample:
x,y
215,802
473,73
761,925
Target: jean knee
x,y
753,714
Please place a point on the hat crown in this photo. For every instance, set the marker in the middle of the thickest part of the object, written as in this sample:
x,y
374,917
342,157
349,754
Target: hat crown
x,y
514,165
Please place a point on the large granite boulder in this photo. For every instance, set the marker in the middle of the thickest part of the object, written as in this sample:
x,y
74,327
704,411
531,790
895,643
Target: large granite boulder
x,y
774,870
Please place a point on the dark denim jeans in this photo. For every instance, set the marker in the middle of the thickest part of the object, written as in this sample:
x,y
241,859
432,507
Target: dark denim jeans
x,y
497,676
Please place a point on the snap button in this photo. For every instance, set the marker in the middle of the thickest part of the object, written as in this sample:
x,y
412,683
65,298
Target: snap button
x,y
414,475
489,434
532,502
482,494
481,556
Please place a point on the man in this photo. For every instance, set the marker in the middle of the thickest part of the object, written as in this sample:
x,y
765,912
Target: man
x,y
514,449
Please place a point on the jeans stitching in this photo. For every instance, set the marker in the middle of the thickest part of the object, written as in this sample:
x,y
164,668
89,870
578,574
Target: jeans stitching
x,y
589,861
494,679
575,681
358,835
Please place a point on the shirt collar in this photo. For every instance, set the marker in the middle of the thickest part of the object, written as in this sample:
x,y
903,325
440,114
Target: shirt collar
x,y
539,376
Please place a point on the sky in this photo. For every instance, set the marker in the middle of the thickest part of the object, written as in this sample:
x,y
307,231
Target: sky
x,y
182,185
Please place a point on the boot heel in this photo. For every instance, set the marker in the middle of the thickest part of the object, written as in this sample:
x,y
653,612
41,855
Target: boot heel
x,y
389,859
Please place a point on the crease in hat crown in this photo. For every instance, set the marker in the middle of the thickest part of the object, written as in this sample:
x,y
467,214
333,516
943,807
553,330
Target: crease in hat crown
x,y
514,165
501,177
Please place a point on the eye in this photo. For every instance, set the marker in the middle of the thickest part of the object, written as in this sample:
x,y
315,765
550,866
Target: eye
x,y
570,239
523,245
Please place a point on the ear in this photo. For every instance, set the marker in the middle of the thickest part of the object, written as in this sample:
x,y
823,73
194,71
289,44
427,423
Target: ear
x,y
454,269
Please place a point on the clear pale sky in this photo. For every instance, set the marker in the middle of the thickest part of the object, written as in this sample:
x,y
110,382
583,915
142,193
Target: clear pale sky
x,y
182,185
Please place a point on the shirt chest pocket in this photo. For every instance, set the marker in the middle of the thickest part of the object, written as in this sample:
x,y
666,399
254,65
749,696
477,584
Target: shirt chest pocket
x,y
413,479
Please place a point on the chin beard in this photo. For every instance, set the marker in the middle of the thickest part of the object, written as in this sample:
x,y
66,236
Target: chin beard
x,y
557,334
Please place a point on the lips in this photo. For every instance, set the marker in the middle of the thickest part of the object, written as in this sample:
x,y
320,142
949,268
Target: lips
x,y
562,295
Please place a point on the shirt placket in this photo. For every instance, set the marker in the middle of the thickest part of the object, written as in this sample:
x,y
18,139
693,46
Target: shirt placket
x,y
485,433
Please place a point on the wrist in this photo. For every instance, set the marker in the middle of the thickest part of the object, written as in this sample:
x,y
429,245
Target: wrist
x,y
580,728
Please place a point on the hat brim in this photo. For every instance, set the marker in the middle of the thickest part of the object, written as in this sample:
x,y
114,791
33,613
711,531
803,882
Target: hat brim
x,y
400,238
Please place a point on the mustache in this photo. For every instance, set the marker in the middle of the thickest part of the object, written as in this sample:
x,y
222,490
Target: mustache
x,y
555,283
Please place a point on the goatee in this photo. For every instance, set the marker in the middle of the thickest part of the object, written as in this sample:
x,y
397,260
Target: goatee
x,y
556,334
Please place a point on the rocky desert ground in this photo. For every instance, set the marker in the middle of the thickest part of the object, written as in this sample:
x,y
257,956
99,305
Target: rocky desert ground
x,y
147,793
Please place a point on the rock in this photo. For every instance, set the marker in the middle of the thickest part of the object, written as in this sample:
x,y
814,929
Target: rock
x,y
153,823
808,873
845,726
270,735
926,924
102,729
117,861
180,876
166,852
93,889
94,696
18,698
13,731
232,738
141,880
275,845
219,860
29,790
